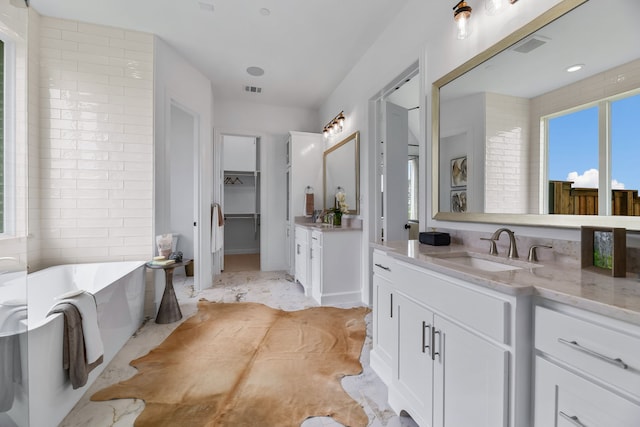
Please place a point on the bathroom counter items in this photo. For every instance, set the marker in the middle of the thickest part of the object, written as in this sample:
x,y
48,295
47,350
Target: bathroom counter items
x,y
566,283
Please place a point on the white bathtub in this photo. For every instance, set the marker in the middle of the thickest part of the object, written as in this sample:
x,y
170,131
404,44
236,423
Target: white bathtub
x,y
119,291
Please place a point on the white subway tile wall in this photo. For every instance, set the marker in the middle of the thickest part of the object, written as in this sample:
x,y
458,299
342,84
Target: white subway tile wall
x,y
96,151
33,111
506,154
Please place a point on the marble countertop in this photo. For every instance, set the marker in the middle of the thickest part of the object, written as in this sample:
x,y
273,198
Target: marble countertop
x,y
348,224
566,283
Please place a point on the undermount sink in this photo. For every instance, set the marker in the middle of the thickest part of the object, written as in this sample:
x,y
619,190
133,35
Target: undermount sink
x,y
482,262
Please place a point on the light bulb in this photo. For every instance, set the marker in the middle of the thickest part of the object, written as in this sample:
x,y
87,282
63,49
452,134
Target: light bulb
x,y
494,7
464,28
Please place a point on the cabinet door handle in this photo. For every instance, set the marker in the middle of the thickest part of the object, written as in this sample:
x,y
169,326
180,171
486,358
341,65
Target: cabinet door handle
x,y
383,267
435,353
391,306
298,249
425,336
572,419
574,345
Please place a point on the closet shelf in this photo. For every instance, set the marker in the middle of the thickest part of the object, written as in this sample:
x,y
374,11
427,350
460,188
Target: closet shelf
x,y
241,173
248,215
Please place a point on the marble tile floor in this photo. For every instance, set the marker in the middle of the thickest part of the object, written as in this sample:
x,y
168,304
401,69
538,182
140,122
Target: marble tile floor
x,y
275,289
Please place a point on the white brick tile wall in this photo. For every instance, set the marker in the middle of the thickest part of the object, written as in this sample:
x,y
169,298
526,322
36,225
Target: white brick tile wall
x,y
96,150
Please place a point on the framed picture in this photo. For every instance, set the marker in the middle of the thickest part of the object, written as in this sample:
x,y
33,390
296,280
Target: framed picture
x,y
459,172
604,250
458,200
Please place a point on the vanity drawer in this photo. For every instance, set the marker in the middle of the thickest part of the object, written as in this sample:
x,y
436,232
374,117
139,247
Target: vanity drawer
x,y
383,265
484,312
603,351
564,399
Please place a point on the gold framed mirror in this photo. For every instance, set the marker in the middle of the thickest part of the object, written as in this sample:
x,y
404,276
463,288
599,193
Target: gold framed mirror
x,y
341,171
508,95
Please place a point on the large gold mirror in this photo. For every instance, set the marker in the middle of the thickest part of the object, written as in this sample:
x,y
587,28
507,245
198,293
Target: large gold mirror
x,y
495,135
342,173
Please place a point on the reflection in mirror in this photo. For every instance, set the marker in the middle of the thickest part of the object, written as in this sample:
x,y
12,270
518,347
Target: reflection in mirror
x,y
342,173
534,134
400,151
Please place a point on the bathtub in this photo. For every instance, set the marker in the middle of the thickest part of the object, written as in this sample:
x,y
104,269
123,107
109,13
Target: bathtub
x,y
118,288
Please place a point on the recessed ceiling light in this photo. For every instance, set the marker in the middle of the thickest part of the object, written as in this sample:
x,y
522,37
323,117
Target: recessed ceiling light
x,y
255,71
574,68
206,6
265,12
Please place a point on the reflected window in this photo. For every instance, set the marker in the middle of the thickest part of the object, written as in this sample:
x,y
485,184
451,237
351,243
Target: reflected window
x,y
625,152
584,163
413,189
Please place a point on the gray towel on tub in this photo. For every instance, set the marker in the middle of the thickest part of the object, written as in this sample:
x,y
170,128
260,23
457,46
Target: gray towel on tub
x,y
74,359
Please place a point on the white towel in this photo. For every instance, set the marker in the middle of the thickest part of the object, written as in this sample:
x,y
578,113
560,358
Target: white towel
x,y
86,305
217,229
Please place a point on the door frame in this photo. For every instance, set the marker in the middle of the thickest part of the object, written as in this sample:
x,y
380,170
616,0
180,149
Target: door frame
x,y
379,136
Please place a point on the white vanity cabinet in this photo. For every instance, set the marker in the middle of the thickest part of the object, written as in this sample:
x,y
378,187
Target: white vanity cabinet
x,y
302,257
335,265
462,352
587,369
385,329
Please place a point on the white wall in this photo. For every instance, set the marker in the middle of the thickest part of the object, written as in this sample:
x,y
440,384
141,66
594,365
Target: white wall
x,y
270,123
179,82
96,139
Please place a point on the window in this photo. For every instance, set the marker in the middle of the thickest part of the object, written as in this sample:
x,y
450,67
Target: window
x,y
593,152
413,188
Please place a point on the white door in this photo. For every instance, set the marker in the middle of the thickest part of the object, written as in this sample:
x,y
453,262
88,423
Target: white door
x,y
414,370
385,317
471,379
395,172
315,254
183,183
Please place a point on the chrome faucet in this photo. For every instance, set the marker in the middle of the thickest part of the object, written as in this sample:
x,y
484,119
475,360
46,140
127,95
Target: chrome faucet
x,y
513,250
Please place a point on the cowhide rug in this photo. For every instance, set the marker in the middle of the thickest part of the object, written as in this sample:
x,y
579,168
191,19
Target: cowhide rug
x,y
246,364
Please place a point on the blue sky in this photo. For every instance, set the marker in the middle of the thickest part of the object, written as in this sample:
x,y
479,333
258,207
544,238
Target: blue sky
x,y
573,144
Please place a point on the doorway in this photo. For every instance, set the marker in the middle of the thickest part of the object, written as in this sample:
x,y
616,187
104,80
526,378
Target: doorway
x,y
182,183
241,202
398,162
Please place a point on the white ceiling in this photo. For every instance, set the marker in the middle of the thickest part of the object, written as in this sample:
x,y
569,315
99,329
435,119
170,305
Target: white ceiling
x,y
306,47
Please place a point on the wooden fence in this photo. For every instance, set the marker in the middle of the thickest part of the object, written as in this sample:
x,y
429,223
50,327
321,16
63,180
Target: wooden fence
x,y
584,201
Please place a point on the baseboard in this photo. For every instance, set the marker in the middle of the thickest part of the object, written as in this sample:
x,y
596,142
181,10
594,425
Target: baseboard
x,y
340,298
380,367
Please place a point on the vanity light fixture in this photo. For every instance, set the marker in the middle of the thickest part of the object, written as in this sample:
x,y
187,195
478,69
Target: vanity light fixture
x,y
462,14
334,126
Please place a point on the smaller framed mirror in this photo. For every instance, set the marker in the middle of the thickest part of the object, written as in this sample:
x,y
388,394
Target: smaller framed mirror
x,y
342,173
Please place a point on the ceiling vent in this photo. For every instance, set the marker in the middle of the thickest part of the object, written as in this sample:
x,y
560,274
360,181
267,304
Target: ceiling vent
x,y
531,43
253,89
